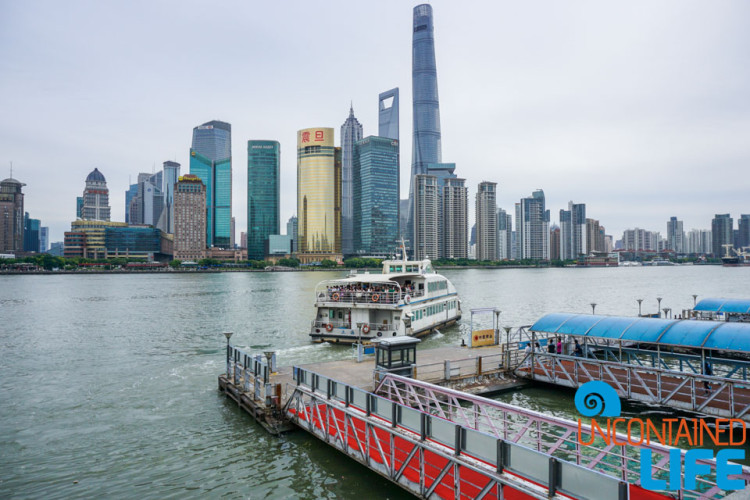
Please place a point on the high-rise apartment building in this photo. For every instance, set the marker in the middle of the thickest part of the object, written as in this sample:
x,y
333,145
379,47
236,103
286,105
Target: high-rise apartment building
x,y
95,197
675,235
504,235
318,196
698,241
426,147
171,171
532,227
722,233
455,219
743,224
640,240
425,210
594,236
351,132
486,214
375,196
554,243
11,216
211,161
189,218
388,114
263,195
573,231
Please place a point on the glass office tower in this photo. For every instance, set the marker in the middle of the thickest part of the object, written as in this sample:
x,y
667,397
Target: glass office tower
x,y
211,161
426,147
263,194
376,200
351,132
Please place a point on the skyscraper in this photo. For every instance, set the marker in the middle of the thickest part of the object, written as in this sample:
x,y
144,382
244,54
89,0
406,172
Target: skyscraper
x,y
318,196
486,213
291,230
11,216
675,235
573,231
31,234
375,196
426,146
722,227
388,114
351,132
171,176
504,235
532,227
425,210
263,195
189,218
95,197
44,239
455,219
211,161
594,236
131,193
743,223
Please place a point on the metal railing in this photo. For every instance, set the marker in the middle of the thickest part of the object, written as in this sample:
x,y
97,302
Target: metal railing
x,y
542,433
364,297
431,456
251,374
373,327
710,395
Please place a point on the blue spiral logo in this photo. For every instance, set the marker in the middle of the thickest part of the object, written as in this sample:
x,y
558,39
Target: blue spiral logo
x,y
597,398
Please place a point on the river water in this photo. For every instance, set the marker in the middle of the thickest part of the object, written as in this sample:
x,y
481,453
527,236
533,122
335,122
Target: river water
x,y
108,383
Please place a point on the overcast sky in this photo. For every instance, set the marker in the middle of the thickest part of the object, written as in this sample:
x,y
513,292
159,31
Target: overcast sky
x,y
639,109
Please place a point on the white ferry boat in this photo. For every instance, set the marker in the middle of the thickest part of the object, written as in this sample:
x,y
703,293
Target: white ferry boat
x,y
408,298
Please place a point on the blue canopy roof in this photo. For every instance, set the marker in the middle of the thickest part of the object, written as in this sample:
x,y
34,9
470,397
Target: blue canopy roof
x,y
681,333
741,306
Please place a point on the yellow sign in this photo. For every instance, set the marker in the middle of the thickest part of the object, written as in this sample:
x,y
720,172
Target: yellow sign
x,y
480,338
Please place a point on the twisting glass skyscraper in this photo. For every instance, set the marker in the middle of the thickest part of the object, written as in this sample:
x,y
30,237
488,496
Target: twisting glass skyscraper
x,y
211,161
426,110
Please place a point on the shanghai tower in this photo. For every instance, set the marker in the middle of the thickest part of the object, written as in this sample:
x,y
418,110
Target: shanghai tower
x,y
426,111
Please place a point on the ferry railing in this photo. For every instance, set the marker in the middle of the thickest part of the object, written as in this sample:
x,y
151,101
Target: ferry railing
x,y
361,297
710,395
251,374
431,456
552,436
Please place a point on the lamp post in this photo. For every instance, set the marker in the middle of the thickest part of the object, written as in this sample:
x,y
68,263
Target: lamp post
x,y
228,335
639,306
666,310
658,308
593,308
695,300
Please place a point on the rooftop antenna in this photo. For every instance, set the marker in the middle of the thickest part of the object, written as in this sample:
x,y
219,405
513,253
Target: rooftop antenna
x,y
11,169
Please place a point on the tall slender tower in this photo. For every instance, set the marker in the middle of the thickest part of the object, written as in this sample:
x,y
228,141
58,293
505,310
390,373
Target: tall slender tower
x,y
263,195
11,215
95,197
426,110
351,132
388,114
211,161
486,213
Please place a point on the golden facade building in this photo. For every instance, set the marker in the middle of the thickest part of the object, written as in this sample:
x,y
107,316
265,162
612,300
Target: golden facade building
x,y
318,196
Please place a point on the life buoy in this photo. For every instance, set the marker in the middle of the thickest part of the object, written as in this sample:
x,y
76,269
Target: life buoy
x,y
329,327
365,328
375,297
407,299
335,296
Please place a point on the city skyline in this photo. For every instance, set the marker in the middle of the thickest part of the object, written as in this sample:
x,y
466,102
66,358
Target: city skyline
x,y
626,125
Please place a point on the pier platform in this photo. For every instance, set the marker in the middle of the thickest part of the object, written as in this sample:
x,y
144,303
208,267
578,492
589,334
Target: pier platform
x,y
262,391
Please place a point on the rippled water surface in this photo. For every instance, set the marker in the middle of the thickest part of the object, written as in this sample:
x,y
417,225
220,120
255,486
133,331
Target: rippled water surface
x,y
108,382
